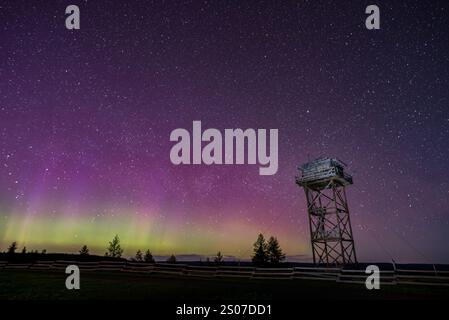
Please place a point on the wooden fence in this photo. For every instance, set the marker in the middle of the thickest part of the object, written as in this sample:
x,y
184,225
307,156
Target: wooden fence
x,y
387,277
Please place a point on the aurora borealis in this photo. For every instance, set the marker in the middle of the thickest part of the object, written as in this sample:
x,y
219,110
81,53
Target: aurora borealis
x,y
86,116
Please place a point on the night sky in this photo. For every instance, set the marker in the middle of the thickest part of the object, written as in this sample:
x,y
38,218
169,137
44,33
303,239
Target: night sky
x,y
86,116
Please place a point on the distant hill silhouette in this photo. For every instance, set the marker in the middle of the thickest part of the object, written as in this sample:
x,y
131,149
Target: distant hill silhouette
x,y
197,260
31,257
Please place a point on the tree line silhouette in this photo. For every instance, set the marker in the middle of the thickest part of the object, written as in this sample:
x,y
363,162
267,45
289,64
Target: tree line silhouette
x,y
13,248
264,252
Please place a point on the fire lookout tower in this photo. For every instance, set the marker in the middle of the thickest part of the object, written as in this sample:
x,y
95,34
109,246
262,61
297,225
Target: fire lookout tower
x,y
324,181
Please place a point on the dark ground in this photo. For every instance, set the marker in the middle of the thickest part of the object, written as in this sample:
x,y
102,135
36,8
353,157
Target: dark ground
x,y
26,284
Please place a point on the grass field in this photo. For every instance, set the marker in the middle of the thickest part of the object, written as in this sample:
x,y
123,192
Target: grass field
x,y
25,284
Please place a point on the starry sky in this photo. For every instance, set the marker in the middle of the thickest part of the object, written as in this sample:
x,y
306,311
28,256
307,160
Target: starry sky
x,y
86,115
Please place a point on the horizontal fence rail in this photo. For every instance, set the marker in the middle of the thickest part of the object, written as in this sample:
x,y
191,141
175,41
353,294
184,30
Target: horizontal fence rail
x,y
388,277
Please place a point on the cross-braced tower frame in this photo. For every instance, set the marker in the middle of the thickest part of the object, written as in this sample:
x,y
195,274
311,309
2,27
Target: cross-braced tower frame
x,y
324,182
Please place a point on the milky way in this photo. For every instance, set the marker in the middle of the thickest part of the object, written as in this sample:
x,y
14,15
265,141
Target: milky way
x,y
86,116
